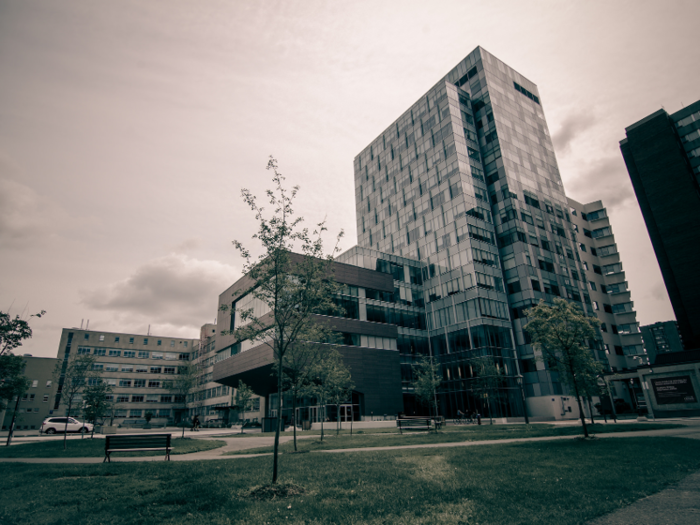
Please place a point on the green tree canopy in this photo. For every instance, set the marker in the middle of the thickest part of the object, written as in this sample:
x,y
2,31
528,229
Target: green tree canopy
x,y
426,380
563,332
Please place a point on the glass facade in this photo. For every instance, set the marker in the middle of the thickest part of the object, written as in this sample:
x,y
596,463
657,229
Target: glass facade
x,y
466,182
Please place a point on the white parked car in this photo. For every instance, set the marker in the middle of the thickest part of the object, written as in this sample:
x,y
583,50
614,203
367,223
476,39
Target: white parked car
x,y
51,425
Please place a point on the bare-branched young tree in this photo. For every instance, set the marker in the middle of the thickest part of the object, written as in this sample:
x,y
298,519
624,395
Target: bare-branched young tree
x,y
72,375
182,386
288,288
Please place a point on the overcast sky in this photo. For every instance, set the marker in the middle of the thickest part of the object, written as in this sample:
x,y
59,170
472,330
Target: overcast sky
x,y
127,130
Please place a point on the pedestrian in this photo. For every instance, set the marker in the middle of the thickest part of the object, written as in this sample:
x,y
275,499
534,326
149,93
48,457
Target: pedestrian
x,y
195,423
460,416
478,418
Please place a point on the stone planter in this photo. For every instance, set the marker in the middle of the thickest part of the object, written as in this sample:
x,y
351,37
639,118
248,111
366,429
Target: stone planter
x,y
106,429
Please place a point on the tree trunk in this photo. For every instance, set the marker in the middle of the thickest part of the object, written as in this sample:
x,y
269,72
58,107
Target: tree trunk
x,y
14,418
337,419
65,429
323,418
488,405
275,449
590,409
580,406
294,416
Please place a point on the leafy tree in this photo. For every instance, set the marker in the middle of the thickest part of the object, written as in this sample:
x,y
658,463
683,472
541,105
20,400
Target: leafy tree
x,y
14,331
291,288
96,402
488,381
426,380
72,375
297,370
243,396
330,381
181,387
562,333
12,384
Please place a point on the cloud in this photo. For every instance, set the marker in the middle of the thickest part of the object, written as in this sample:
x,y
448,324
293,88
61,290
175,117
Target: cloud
x,y
604,179
570,129
26,217
172,293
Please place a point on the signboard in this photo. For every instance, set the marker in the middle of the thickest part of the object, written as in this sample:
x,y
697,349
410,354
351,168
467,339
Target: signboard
x,y
674,390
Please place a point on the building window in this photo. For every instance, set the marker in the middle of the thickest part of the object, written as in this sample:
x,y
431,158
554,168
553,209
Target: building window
x,y
35,383
139,383
125,382
116,339
129,353
595,305
169,370
155,370
156,355
159,342
102,338
135,413
137,399
143,355
87,336
122,399
172,343
83,350
115,353
46,398
100,351
154,384
48,384
131,340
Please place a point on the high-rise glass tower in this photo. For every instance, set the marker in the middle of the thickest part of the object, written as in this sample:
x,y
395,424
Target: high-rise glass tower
x,y
466,182
662,154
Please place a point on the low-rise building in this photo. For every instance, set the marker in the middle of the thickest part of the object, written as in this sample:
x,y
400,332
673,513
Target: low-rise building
x,y
36,403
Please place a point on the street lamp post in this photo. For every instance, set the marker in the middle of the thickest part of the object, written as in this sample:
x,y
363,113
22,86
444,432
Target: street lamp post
x,y
519,379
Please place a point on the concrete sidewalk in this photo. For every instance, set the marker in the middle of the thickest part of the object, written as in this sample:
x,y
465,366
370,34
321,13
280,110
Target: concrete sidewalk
x,y
256,441
678,505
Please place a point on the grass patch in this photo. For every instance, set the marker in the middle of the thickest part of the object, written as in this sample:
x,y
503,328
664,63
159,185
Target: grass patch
x,y
450,434
558,482
92,448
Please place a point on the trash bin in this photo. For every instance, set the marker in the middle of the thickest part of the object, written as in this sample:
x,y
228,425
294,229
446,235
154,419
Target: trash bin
x,y
306,425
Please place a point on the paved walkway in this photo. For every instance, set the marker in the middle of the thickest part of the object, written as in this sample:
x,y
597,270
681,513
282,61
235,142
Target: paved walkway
x,y
678,505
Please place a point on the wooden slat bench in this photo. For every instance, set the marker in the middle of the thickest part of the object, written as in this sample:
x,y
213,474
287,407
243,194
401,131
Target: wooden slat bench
x,y
137,442
413,423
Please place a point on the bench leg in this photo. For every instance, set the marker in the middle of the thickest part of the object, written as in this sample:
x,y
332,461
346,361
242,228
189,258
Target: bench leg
x,y
107,458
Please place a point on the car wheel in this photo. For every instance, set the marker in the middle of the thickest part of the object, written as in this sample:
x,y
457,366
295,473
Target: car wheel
x,y
83,430
50,430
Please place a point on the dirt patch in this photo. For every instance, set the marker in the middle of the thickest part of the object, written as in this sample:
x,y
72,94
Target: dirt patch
x,y
277,491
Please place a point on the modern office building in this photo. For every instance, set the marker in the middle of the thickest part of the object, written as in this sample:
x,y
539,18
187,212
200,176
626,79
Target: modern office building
x,y
36,403
661,338
662,154
466,182
369,329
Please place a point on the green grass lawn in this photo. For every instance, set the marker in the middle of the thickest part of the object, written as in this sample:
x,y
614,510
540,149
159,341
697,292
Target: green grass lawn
x,y
90,448
390,437
558,482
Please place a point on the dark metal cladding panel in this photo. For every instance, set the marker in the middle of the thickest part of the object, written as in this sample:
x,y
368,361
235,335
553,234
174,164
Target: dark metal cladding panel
x,y
376,374
354,326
